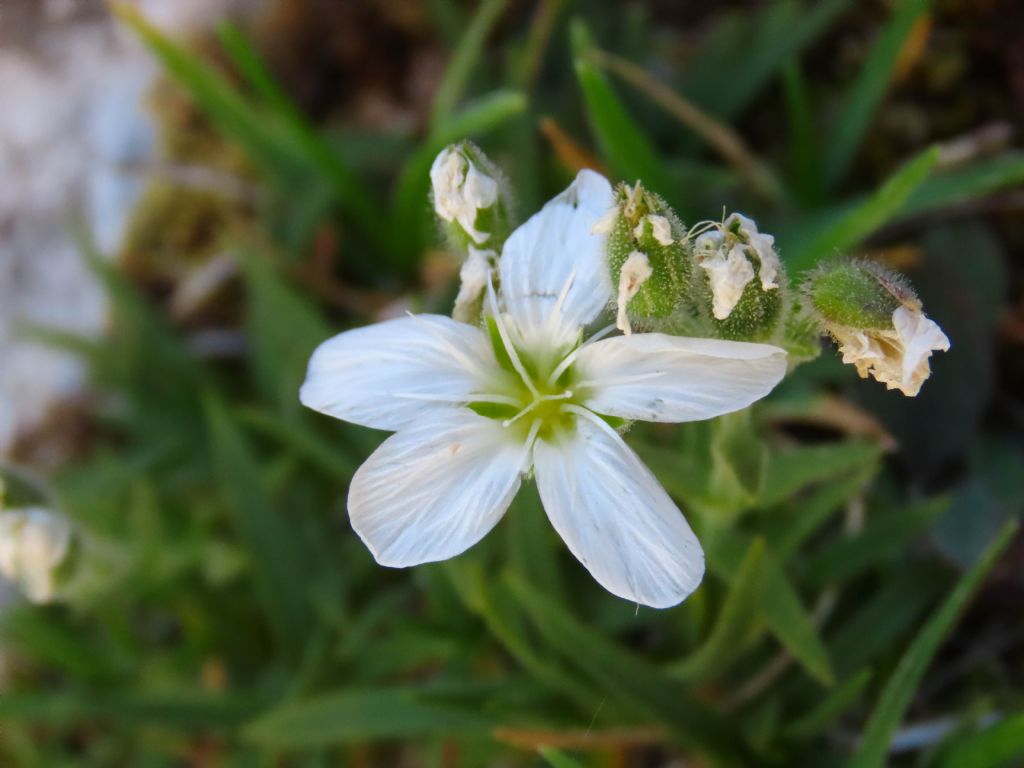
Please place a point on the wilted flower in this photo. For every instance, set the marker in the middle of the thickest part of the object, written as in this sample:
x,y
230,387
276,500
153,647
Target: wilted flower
x,y
474,409
899,357
34,542
725,253
877,321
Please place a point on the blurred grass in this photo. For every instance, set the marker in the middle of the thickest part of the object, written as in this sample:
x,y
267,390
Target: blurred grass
x,y
242,624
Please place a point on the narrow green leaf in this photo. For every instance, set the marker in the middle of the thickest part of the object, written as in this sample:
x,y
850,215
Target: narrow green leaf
x,y
558,759
899,690
803,143
279,566
735,623
999,746
282,329
628,677
743,52
780,607
791,471
629,153
166,710
963,185
845,695
882,539
465,60
786,529
853,226
866,93
348,717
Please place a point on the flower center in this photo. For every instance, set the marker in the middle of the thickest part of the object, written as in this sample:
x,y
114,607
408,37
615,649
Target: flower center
x,y
532,391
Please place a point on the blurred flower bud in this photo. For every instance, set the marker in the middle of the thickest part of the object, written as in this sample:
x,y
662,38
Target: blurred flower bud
x,y
34,543
473,282
647,262
469,197
877,321
743,277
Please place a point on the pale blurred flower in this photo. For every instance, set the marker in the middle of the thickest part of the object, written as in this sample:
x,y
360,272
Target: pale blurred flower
x,y
476,409
461,190
897,357
33,544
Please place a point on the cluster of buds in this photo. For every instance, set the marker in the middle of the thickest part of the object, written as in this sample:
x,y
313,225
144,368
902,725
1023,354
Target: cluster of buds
x,y
473,205
646,259
35,544
877,321
719,279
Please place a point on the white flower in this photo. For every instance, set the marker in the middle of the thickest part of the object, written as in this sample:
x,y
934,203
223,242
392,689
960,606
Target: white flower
x,y
474,410
899,357
33,544
461,191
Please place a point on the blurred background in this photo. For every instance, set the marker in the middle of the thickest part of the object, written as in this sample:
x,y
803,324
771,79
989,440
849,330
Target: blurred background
x,y
194,194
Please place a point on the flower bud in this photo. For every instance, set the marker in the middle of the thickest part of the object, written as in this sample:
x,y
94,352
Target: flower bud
x,y
877,321
470,197
648,264
744,276
34,543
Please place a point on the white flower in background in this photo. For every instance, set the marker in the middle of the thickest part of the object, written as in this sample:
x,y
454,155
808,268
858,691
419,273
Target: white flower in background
x,y
33,544
475,409
899,357
461,191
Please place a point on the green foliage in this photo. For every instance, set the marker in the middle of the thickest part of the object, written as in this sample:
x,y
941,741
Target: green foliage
x,y
237,619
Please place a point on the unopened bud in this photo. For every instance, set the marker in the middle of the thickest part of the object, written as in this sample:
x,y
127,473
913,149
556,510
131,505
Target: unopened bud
x,y
469,197
877,321
647,262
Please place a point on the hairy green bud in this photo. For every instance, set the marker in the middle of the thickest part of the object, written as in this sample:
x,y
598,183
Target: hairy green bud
x,y
648,264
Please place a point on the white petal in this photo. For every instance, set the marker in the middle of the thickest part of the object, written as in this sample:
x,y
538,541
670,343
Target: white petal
x,y
387,375
554,279
616,519
656,377
436,488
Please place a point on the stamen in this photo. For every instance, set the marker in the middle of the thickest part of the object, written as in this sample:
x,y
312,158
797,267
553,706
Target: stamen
x,y
513,355
557,309
544,398
571,357
528,445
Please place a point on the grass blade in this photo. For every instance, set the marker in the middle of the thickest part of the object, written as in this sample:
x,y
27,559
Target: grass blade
x,y
626,676
464,61
859,106
899,691
855,225
358,716
997,746
629,153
